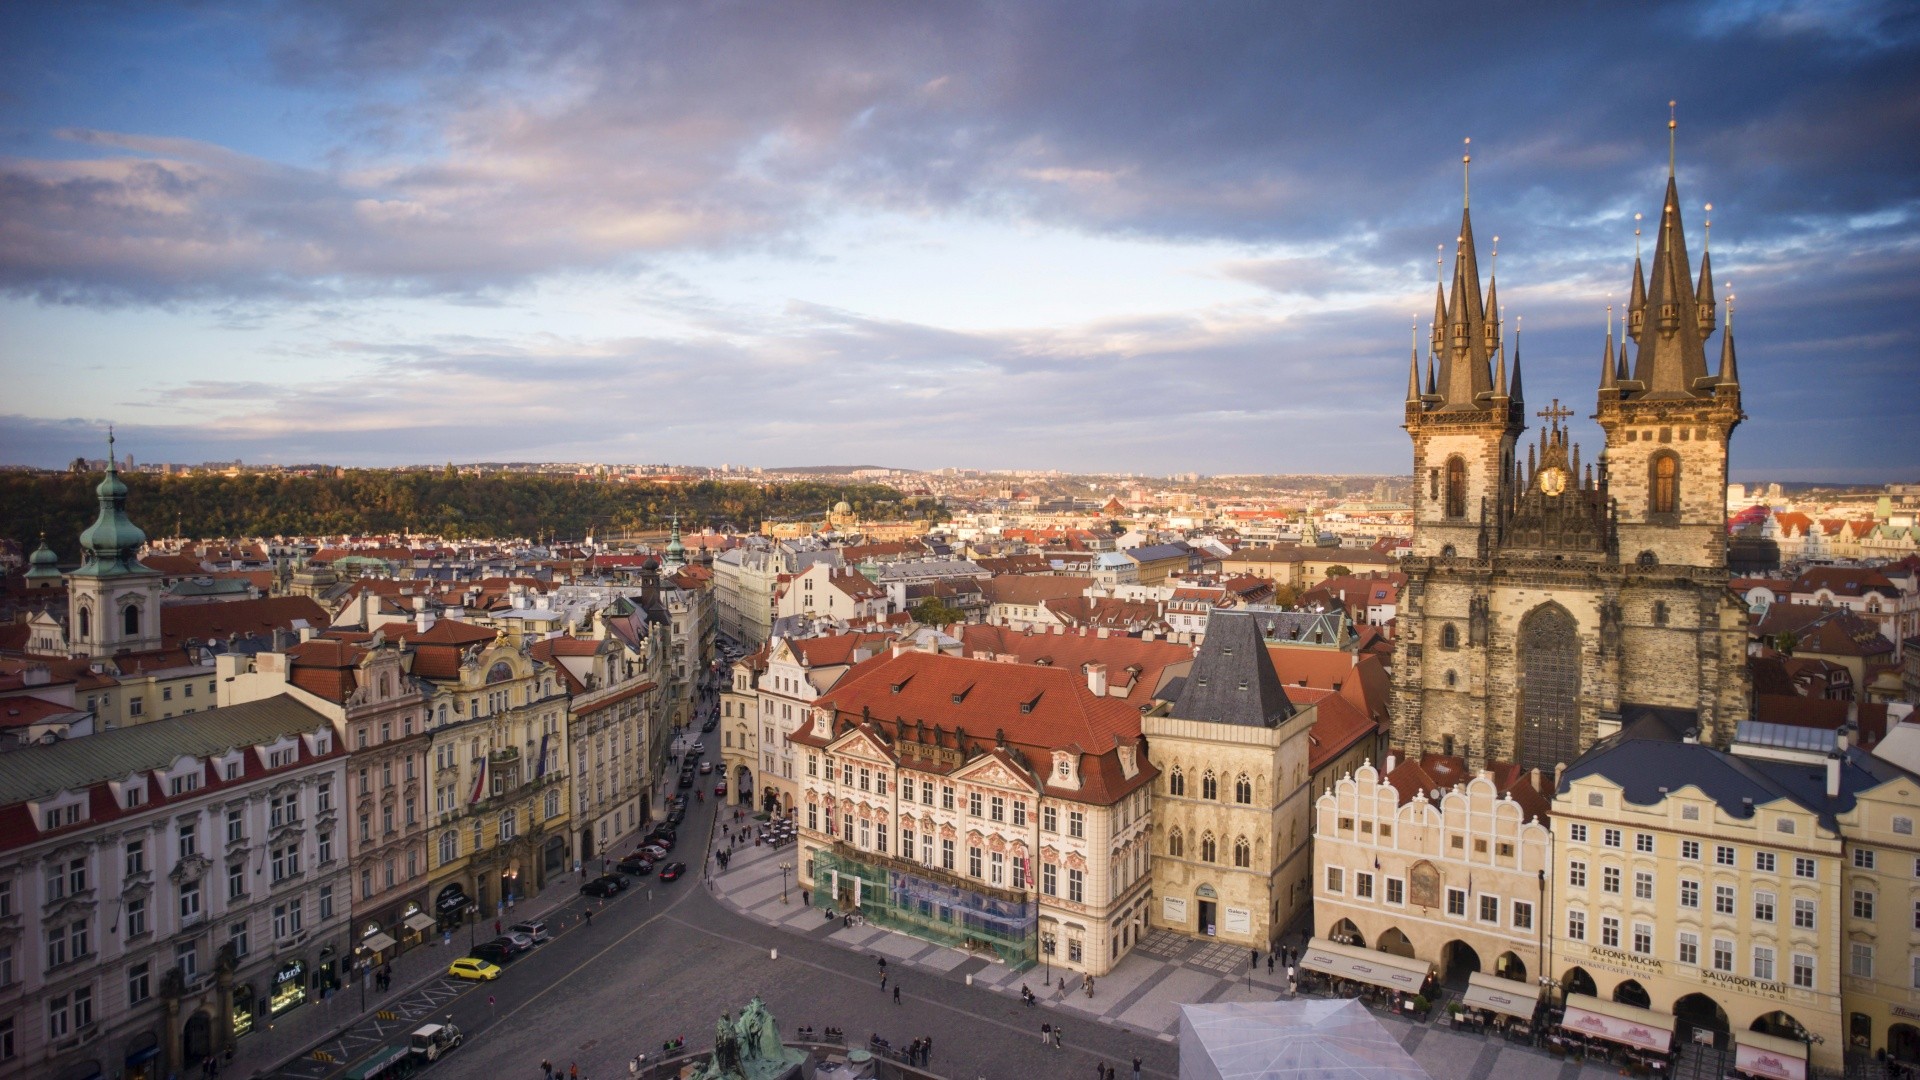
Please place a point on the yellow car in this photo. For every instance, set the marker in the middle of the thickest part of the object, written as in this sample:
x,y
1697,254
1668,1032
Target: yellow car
x,y
472,967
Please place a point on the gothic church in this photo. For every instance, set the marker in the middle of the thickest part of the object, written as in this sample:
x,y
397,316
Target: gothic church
x,y
1549,598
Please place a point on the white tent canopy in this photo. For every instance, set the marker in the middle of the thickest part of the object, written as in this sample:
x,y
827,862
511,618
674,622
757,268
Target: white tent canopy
x,y
1310,1039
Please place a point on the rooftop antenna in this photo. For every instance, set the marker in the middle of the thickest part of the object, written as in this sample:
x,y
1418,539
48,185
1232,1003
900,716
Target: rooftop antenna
x,y
1466,164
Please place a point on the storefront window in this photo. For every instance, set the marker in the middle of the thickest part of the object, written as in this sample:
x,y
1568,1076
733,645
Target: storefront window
x,y
242,1009
289,991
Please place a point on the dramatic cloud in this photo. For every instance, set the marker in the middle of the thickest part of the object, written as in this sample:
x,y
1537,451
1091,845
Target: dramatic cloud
x,y
692,163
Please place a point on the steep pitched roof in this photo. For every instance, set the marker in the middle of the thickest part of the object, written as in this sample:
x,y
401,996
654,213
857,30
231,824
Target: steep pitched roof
x,y
1233,680
210,622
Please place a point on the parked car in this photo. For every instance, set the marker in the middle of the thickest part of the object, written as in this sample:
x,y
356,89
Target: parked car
x,y
720,788
710,724
635,865
472,967
520,942
654,852
677,816
699,748
686,779
604,886
706,767
496,952
535,930
672,871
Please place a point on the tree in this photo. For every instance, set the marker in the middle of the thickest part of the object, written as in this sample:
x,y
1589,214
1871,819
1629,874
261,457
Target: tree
x,y
934,612
1338,570
1786,641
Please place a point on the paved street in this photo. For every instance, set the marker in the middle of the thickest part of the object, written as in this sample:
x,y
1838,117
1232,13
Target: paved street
x,y
666,959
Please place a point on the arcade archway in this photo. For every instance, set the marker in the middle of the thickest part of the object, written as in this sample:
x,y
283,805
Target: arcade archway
x,y
1396,942
1508,965
1577,981
1630,992
1345,933
1458,960
1698,1012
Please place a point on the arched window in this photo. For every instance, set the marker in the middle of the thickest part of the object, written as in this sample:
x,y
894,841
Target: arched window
x,y
130,620
1446,551
86,624
1176,844
1449,637
1456,487
1209,787
1242,852
1209,852
1176,783
1243,790
1659,613
1647,558
1452,678
1663,489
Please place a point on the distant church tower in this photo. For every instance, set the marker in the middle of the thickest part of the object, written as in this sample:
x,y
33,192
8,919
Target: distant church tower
x,y
1548,601
113,602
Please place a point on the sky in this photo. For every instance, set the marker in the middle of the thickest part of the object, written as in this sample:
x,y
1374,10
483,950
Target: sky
x,y
1100,237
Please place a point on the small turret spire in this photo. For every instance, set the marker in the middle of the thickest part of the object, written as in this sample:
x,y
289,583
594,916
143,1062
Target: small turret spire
x,y
1413,366
1637,295
1729,373
1703,292
1518,398
1606,355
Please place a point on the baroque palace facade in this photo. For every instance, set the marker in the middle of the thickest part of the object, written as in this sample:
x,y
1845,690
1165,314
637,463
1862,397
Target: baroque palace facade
x,y
1545,598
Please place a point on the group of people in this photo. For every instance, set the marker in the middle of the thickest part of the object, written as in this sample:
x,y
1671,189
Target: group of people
x,y
918,1052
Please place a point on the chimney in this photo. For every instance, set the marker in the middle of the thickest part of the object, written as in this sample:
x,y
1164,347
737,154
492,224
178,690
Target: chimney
x,y
1097,680
1833,776
1559,769
1843,738
422,618
1392,760
1533,778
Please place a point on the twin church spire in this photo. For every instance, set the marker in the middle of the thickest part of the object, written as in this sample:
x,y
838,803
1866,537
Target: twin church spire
x,y
1467,368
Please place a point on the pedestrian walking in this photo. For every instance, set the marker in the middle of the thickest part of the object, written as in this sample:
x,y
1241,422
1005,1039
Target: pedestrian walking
x,y
546,1068
1059,1034
1046,1033
1269,963
926,1047
496,926
589,916
1136,1069
805,899
896,994
573,1071
1255,962
883,982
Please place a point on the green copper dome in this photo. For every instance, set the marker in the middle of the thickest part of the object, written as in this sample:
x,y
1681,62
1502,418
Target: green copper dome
x,y
112,543
43,563
676,551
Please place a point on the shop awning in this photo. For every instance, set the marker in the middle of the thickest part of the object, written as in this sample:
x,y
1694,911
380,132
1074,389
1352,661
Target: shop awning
x,y
377,942
1623,1024
1501,995
420,921
1771,1056
1366,965
383,1058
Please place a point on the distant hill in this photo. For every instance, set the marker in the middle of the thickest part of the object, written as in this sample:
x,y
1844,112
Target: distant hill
x,y
829,470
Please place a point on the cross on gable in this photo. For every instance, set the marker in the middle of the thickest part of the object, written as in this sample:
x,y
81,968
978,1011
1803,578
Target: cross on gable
x,y
1554,413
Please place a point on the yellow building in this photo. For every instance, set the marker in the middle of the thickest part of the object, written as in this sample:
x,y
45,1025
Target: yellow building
x,y
1704,887
1430,861
1231,808
1880,894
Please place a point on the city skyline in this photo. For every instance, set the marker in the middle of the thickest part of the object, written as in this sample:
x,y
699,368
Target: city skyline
x,y
1158,243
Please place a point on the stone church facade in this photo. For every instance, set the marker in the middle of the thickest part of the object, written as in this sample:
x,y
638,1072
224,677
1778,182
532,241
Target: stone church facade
x,y
1550,597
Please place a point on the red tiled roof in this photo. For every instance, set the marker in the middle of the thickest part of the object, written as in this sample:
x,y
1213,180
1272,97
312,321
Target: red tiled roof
x,y
210,622
1031,589
25,711
1145,663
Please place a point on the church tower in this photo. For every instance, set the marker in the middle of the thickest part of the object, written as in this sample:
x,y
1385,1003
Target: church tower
x,y
1550,601
113,602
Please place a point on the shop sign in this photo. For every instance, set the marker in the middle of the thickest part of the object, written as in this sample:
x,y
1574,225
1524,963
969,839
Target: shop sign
x,y
1620,956
1742,984
293,970
1239,920
1173,909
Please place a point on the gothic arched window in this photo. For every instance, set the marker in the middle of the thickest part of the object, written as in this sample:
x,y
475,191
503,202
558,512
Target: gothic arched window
x,y
1449,637
1456,487
130,620
1209,851
1176,783
1242,852
1549,654
1209,787
1176,844
1663,489
1243,790
1647,558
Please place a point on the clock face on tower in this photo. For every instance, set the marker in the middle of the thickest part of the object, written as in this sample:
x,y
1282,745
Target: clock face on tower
x,y
1553,480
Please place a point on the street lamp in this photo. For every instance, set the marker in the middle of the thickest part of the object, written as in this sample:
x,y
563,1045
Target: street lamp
x,y
473,920
785,869
1046,951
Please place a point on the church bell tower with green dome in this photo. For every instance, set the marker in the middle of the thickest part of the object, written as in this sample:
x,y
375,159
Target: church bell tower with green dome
x,y
113,602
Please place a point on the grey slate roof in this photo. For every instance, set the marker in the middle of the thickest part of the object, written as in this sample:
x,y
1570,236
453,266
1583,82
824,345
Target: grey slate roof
x,y
37,771
1648,754
1232,680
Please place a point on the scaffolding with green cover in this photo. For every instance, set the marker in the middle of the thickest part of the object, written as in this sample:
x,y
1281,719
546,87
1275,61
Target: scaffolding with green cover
x,y
907,897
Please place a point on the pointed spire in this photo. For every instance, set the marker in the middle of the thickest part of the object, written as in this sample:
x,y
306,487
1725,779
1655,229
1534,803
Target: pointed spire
x,y
1671,363
1637,290
1491,314
1729,372
1439,308
1433,388
1606,355
1518,398
1500,373
1413,367
1621,371
1703,292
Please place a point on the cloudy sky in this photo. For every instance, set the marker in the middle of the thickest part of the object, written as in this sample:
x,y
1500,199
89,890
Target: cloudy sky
x,y
1091,236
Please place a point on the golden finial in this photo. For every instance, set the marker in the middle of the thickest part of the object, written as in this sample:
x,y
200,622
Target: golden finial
x,y
1609,317
1707,244
1673,125
1495,269
1466,164
1636,237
